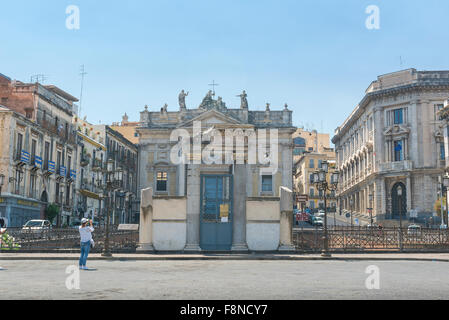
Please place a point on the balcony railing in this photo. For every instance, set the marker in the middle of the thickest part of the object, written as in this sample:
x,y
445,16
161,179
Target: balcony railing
x,y
396,166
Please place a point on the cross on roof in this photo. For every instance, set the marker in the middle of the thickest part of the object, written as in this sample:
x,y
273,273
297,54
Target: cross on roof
x,y
213,85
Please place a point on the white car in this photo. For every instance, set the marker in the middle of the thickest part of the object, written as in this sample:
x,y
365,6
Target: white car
x,y
414,230
37,227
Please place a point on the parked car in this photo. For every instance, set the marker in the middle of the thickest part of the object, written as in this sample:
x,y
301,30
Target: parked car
x,y
321,214
38,228
414,230
318,222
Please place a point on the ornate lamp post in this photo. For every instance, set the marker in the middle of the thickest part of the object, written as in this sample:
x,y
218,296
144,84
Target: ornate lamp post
x,y
322,184
399,191
108,187
351,203
444,181
371,198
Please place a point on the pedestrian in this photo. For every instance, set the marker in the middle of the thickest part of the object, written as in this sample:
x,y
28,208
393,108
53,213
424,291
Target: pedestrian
x,y
2,231
86,239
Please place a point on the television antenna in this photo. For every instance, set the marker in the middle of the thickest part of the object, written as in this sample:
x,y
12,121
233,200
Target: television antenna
x,y
82,74
38,78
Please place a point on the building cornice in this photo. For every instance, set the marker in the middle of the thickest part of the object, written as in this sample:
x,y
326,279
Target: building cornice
x,y
437,84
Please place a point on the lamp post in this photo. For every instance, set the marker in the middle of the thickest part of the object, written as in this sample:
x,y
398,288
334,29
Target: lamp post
x,y
321,183
371,198
351,203
444,181
107,187
399,192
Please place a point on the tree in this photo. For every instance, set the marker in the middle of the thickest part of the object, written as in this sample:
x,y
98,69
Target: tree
x,y
437,208
51,212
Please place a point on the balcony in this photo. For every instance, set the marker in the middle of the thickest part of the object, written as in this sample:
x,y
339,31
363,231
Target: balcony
x,y
97,165
406,165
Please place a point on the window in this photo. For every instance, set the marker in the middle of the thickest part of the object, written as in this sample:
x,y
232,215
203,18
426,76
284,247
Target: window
x,y
320,162
57,193
33,186
442,152
311,178
312,164
312,192
161,181
398,116
33,151
267,183
437,109
46,155
19,146
58,162
398,151
69,165
29,114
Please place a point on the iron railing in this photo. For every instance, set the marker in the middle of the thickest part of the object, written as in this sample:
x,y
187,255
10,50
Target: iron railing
x,y
69,239
361,239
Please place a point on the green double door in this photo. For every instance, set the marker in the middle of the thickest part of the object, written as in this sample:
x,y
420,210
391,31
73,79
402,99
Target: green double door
x,y
216,214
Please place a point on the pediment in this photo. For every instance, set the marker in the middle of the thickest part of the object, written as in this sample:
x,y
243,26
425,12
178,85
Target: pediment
x,y
396,130
211,118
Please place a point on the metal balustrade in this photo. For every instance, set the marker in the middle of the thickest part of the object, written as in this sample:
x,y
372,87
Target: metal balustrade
x,y
362,239
53,239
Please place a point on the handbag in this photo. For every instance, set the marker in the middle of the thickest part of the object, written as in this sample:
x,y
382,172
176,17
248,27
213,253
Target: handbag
x,y
92,243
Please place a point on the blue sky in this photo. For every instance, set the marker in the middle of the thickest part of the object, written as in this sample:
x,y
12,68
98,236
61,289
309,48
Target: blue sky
x,y
317,56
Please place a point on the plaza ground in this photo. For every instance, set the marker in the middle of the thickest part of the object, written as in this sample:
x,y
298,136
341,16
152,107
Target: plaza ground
x,y
225,279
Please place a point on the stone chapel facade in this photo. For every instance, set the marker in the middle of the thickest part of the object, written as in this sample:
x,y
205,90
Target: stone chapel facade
x,y
217,196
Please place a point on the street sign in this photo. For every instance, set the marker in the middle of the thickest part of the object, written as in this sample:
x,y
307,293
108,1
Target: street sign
x,y
302,198
301,217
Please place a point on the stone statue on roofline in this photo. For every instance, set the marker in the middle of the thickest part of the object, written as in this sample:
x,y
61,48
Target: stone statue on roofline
x,y
182,99
244,101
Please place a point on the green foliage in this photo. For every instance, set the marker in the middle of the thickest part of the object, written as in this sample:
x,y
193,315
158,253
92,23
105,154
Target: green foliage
x,y
52,212
8,242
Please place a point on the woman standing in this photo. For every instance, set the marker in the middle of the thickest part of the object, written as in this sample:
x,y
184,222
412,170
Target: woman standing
x,y
86,238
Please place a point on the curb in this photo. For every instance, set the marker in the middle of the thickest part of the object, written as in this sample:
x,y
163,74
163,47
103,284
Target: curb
x,y
230,258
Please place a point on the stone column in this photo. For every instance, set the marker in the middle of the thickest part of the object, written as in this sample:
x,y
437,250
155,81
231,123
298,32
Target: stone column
x,y
239,218
286,241
146,221
409,193
193,208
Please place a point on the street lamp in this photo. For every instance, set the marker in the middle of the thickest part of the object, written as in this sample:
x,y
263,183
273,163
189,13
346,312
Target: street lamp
x,y
321,183
371,198
108,187
399,192
351,203
444,181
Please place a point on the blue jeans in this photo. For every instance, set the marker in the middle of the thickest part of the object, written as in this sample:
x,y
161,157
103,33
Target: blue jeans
x,y
85,248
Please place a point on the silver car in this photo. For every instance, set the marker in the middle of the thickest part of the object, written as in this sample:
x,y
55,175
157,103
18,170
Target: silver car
x,y
38,228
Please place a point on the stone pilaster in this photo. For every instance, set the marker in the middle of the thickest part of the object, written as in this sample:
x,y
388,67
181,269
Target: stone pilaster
x,y
239,218
193,208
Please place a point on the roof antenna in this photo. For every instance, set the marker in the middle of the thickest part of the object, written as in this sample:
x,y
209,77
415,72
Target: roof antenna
x,y
82,74
38,78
